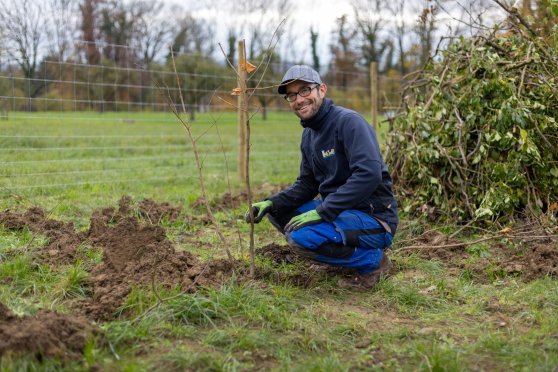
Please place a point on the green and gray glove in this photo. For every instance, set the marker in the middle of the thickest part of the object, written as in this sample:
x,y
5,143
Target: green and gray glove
x,y
259,210
305,219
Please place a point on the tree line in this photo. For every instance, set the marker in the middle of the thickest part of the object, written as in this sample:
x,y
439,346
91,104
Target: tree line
x,y
103,39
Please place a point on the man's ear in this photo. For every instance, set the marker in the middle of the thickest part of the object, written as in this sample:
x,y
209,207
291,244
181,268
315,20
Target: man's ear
x,y
323,89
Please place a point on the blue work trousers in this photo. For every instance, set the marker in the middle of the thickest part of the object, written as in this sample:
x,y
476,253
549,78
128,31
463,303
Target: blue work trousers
x,y
354,239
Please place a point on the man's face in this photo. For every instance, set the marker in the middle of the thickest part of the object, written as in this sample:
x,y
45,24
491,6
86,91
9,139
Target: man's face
x,y
306,107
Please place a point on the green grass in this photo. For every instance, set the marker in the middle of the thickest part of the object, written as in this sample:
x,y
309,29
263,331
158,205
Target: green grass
x,y
57,158
426,317
72,162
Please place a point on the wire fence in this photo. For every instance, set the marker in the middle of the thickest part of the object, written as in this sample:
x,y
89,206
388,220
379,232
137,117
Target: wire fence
x,y
63,157
72,85
71,125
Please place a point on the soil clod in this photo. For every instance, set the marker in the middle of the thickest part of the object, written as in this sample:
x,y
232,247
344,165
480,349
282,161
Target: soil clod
x,y
46,334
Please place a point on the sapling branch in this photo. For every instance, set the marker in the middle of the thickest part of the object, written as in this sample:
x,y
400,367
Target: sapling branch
x,y
187,126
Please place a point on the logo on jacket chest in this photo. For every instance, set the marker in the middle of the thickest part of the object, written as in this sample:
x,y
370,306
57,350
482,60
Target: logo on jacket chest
x,y
328,153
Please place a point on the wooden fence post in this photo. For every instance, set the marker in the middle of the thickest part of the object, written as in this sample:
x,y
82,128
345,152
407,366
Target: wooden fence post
x,y
242,111
374,94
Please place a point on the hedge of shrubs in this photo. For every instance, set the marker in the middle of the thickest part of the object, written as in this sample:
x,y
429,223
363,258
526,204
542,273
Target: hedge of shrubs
x,y
478,136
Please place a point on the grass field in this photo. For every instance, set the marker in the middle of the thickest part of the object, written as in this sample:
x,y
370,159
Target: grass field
x,y
448,310
57,158
80,155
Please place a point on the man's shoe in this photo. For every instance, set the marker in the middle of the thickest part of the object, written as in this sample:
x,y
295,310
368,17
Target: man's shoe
x,y
368,280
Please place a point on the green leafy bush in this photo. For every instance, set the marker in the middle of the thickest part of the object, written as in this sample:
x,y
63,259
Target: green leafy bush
x,y
479,136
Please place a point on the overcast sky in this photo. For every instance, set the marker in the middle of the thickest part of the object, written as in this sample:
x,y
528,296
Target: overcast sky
x,y
318,14
321,15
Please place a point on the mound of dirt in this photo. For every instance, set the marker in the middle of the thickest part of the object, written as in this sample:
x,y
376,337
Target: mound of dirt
x,y
530,261
136,253
139,254
156,212
229,201
47,334
148,209
62,237
275,252
309,275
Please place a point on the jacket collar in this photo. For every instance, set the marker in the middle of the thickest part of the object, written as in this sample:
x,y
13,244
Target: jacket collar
x,y
318,120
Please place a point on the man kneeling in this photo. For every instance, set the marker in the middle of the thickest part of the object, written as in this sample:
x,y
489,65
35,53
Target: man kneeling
x,y
355,218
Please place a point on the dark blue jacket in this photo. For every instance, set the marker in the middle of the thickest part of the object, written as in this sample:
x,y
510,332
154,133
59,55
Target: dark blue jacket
x,y
341,160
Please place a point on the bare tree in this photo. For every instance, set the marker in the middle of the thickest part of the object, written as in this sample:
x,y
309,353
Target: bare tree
x,y
22,25
344,56
89,18
400,31
425,29
193,36
61,27
152,30
264,18
117,30
253,20
472,16
370,23
314,49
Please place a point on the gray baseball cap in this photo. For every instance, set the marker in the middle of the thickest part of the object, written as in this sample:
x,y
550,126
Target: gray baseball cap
x,y
299,72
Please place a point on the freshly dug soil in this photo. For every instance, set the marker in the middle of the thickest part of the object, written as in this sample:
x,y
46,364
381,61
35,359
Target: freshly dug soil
x,y
275,252
156,212
310,274
46,334
63,240
529,260
136,253
229,201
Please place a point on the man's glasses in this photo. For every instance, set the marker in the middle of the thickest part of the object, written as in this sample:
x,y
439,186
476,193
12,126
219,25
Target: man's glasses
x,y
304,92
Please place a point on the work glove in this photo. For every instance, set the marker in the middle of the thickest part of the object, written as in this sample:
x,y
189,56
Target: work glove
x,y
305,219
259,210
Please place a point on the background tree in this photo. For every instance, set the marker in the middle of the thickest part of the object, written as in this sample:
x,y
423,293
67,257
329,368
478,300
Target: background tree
x,y
231,46
198,79
314,49
89,18
256,21
194,36
425,29
117,30
370,24
61,27
265,75
264,18
344,55
152,31
22,25
150,39
399,31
